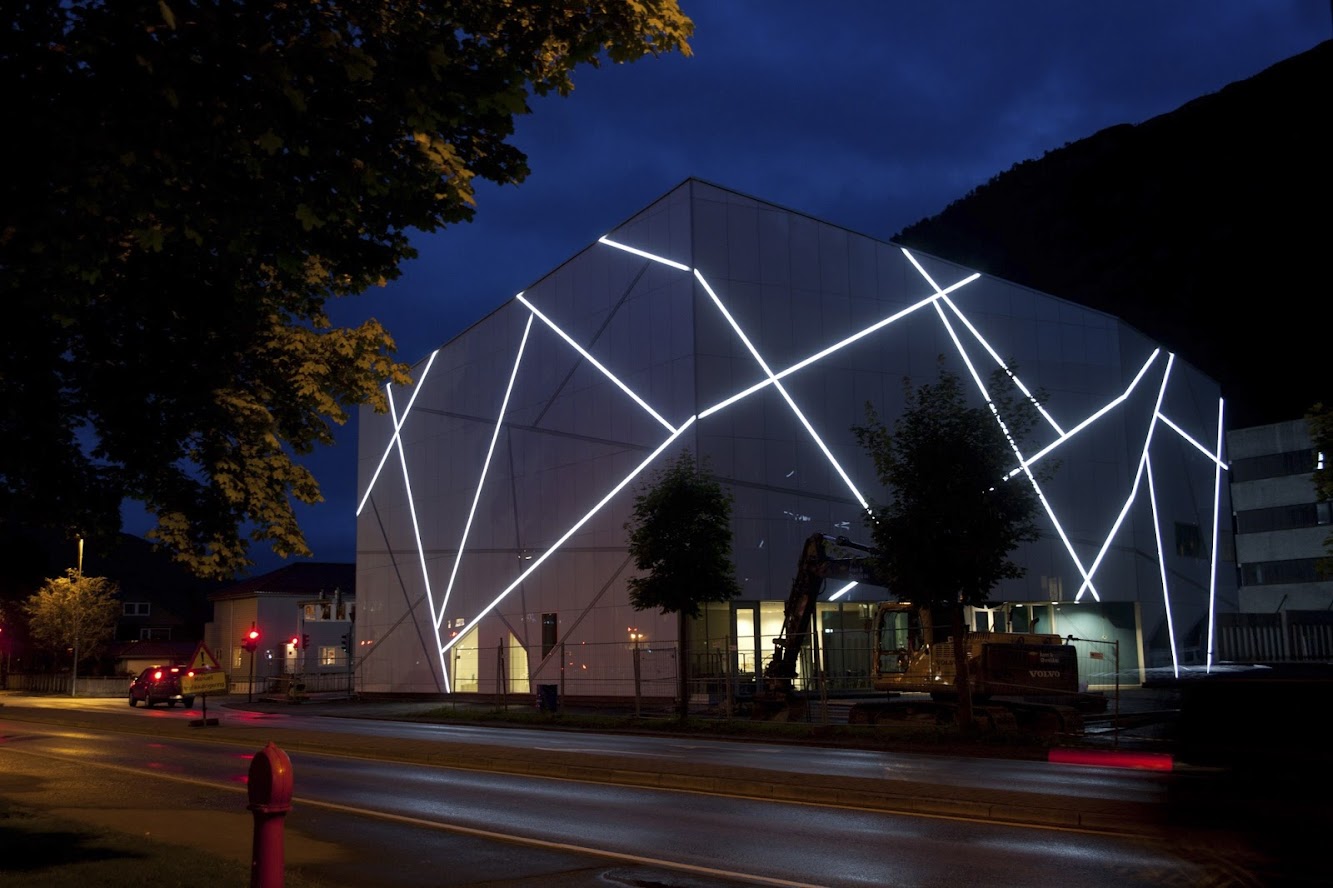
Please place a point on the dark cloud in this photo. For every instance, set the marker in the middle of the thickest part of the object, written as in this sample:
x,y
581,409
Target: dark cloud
x,y
869,114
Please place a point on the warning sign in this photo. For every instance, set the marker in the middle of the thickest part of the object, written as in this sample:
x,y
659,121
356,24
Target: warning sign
x,y
203,658
204,683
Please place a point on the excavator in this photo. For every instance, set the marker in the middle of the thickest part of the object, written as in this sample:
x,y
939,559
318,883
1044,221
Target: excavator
x,y
1017,680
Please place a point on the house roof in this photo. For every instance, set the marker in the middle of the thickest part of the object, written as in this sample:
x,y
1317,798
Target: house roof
x,y
308,579
163,651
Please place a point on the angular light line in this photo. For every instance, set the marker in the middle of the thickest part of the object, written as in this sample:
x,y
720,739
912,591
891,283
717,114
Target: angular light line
x,y
388,448
1181,432
481,482
819,355
1013,445
537,562
1218,465
653,257
1138,477
763,365
1089,421
843,591
416,529
1161,566
1002,365
591,360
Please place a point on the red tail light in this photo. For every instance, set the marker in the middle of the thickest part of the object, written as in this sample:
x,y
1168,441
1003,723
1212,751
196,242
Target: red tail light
x,y
157,676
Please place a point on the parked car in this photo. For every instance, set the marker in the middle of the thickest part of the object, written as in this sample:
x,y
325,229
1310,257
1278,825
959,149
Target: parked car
x,y
159,684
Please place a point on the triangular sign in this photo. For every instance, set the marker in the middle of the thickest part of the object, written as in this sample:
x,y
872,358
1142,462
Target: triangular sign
x,y
203,658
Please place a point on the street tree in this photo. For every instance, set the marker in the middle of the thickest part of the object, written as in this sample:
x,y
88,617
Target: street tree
x,y
680,539
74,613
945,536
194,182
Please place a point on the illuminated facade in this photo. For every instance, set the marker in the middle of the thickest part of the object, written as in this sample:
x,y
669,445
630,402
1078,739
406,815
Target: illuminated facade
x,y
491,550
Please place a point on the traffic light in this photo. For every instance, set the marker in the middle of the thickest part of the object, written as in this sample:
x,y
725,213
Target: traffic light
x,y
305,641
250,640
346,637
295,642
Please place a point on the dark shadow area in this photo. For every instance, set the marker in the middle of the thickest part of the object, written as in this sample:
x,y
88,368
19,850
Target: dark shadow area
x,y
27,850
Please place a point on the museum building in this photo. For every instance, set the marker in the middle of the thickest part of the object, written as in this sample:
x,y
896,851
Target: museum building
x,y
493,496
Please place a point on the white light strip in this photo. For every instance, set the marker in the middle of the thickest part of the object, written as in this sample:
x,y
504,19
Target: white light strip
x,y
1161,567
1013,445
416,530
843,591
1217,508
485,467
1181,432
1138,477
590,359
388,448
1089,421
806,362
569,533
763,365
629,249
1003,366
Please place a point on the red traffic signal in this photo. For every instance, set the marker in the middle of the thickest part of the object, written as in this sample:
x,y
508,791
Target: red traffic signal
x,y
250,640
296,641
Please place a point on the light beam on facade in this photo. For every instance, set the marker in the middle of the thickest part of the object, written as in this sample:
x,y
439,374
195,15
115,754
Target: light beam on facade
x,y
416,530
481,482
397,427
537,562
591,360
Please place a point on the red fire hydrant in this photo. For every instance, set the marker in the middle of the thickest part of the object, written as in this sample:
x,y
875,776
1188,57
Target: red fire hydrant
x,y
270,790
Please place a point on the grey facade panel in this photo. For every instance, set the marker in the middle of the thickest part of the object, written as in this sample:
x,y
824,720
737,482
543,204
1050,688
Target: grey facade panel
x,y
755,337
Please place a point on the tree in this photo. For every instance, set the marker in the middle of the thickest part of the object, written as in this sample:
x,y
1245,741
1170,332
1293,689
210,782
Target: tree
x,y
680,538
945,537
194,182
74,613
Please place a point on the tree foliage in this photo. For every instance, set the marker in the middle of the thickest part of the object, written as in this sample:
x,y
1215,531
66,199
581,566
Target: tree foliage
x,y
945,536
73,612
194,182
680,538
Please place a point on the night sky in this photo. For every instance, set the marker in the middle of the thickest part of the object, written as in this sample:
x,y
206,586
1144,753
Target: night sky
x,y
870,115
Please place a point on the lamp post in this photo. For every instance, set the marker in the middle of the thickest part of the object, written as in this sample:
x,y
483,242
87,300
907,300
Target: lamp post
x,y
636,636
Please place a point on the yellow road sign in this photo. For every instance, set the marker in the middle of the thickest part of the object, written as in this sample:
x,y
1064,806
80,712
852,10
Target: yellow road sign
x,y
204,682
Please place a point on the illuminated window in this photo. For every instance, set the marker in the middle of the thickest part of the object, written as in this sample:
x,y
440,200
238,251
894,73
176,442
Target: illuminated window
x,y
329,655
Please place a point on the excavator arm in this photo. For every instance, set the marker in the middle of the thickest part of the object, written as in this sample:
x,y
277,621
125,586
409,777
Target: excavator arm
x,y
814,567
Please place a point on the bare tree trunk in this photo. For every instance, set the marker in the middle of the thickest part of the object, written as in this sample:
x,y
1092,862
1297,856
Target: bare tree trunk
x,y
962,682
74,667
682,664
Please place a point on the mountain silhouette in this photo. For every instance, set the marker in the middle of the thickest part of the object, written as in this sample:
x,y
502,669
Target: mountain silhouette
x,y
1207,228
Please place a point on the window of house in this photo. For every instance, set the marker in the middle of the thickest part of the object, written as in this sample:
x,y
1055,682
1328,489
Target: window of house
x,y
328,655
1296,570
154,634
1283,517
136,609
548,634
1274,465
